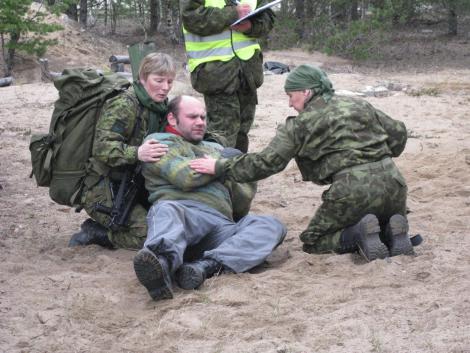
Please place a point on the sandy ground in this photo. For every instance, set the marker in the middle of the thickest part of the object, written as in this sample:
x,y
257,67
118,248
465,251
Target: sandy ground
x,y
58,299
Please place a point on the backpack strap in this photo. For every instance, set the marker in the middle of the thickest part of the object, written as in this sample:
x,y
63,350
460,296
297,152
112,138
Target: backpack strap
x,y
138,122
48,160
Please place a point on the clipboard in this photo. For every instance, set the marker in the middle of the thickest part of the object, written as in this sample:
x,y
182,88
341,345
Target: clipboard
x,y
257,11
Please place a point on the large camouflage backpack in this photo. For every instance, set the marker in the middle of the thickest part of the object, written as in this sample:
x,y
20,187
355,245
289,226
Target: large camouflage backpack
x,y
60,158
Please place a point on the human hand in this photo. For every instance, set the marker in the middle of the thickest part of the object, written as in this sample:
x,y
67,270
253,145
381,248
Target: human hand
x,y
243,26
151,151
204,165
243,10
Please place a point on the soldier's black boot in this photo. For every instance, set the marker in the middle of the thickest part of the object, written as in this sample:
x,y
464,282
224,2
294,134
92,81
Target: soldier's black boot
x,y
396,236
193,274
153,273
91,232
364,237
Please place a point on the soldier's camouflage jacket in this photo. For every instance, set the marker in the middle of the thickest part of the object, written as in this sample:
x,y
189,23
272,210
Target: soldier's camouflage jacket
x,y
224,77
119,133
324,139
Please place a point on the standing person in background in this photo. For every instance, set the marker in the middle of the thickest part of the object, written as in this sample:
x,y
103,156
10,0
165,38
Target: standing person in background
x,y
226,62
121,128
345,142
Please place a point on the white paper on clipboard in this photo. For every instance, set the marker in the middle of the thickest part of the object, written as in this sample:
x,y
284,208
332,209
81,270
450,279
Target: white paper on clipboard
x,y
257,11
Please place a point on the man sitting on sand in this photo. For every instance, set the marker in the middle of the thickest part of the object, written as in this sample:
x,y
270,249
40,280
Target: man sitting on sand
x,y
192,214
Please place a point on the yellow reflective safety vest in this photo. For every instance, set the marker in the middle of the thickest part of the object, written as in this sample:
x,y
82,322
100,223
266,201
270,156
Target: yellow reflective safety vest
x,y
221,46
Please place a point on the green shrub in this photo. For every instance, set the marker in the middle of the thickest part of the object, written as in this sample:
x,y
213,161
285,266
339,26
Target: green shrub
x,y
283,35
358,40
22,31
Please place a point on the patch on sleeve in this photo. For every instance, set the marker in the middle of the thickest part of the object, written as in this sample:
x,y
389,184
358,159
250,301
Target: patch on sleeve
x,y
119,127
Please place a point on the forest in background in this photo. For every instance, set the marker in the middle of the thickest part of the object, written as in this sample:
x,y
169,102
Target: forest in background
x,y
356,30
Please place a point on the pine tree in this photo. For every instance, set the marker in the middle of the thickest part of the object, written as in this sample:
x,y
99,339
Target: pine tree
x,y
23,31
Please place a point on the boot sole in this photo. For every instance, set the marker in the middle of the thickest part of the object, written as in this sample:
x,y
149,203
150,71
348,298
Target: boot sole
x,y
397,233
369,244
189,277
151,275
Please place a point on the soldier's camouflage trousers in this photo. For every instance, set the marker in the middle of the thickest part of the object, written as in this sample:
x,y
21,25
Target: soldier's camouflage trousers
x,y
231,115
132,237
229,89
377,188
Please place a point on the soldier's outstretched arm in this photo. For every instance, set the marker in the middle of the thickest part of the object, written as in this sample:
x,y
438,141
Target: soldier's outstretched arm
x,y
256,166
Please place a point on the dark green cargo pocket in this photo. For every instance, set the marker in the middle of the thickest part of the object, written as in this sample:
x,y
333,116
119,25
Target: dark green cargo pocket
x,y
40,147
255,69
338,190
66,186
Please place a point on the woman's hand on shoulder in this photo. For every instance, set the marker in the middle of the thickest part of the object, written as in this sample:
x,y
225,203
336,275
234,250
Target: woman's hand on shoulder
x,y
151,151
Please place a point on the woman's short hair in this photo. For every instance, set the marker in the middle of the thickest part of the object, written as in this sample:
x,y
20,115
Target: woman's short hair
x,y
157,63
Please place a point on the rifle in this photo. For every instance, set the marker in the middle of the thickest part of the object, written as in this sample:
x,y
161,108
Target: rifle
x,y
124,200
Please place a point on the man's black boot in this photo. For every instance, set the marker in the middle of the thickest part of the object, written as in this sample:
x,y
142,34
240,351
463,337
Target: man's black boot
x,y
153,273
91,233
416,239
397,238
364,236
193,274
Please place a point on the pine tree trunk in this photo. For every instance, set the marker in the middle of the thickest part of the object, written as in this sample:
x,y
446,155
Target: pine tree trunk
x,y
10,56
113,17
105,4
169,20
154,10
299,14
139,9
72,12
452,18
173,23
310,10
354,10
83,12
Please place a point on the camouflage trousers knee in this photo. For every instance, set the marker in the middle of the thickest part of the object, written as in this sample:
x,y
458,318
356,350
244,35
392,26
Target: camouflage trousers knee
x,y
231,116
131,237
353,194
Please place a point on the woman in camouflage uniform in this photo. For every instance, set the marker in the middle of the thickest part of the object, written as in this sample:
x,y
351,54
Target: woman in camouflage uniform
x,y
344,142
122,126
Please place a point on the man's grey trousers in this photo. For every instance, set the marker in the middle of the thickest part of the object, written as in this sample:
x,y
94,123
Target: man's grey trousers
x,y
191,230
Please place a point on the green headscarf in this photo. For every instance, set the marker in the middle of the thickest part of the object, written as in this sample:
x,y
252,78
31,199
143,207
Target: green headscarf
x,y
157,110
309,77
